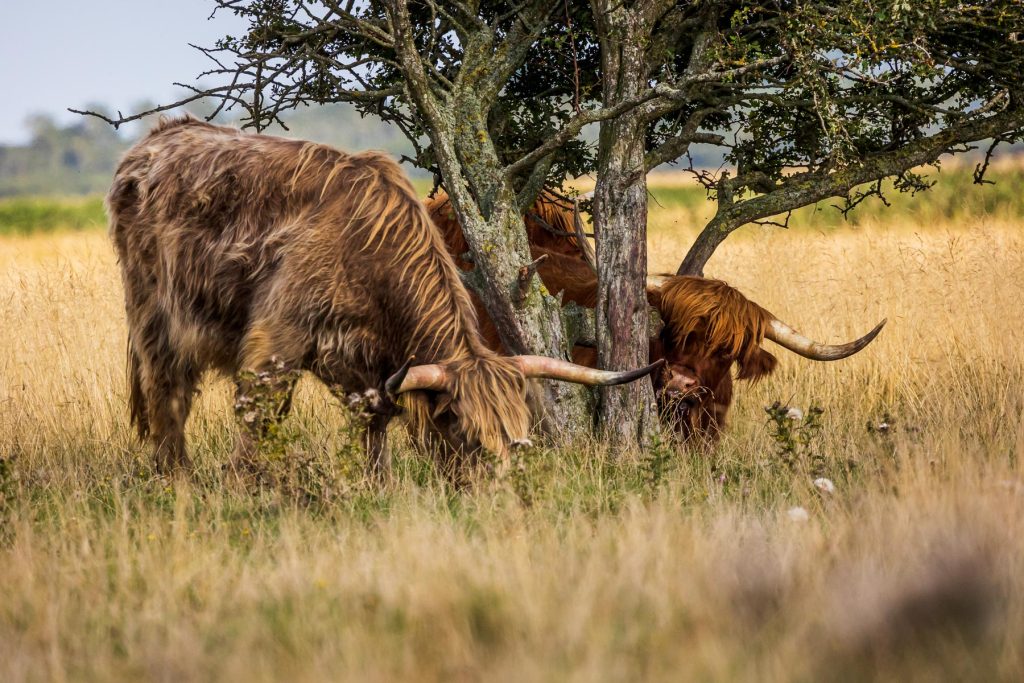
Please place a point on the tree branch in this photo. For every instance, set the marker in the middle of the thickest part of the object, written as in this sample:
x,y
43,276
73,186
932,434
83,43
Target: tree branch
x,y
572,129
660,99
806,188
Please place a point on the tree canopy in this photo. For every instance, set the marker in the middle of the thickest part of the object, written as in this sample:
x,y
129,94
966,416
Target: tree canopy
x,y
806,100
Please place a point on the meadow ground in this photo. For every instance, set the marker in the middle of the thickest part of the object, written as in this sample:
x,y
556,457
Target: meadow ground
x,y
578,565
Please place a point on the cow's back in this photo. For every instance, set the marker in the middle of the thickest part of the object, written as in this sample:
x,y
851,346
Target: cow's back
x,y
190,217
218,230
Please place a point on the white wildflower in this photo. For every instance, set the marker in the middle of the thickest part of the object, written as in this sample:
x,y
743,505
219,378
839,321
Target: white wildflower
x,y
798,514
794,414
250,416
825,485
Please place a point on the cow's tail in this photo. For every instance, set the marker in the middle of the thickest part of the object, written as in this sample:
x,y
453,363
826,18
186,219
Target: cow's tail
x,y
136,398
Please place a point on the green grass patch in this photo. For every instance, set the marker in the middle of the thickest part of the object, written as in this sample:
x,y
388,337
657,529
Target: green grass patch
x,y
953,197
27,215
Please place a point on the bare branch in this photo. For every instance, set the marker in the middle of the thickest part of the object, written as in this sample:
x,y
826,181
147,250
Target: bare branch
x,y
526,274
222,91
572,129
586,248
677,146
807,188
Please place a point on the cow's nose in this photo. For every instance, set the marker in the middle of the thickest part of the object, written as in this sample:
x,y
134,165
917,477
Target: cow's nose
x,y
681,385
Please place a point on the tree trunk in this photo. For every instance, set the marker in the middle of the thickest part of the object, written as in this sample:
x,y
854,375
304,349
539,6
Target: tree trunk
x,y
626,413
486,206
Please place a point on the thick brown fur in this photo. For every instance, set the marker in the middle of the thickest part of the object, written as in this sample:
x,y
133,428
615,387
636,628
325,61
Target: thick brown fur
x,y
549,227
716,316
708,327
708,324
250,252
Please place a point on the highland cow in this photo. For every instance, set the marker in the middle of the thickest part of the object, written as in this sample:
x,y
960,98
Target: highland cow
x,y
261,257
708,325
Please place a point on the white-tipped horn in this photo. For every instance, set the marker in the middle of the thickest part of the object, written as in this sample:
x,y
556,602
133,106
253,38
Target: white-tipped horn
x,y
785,336
542,367
435,377
431,376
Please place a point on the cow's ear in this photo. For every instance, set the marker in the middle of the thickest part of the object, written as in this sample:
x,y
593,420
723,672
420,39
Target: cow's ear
x,y
756,365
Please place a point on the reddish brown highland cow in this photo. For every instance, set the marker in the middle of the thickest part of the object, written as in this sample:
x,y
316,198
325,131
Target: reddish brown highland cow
x,y
260,257
708,325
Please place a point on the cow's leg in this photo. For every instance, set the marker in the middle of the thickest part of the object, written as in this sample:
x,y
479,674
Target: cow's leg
x,y
168,394
264,386
161,382
378,455
263,398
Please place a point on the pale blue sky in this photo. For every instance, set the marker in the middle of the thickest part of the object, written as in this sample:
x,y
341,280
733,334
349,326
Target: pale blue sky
x,y
56,54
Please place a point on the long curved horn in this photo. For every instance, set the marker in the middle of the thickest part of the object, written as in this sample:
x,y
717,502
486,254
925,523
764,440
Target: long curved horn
x,y
394,384
785,336
430,376
542,367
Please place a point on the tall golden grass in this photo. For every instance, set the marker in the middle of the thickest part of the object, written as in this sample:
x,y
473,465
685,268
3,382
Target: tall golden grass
x,y
576,565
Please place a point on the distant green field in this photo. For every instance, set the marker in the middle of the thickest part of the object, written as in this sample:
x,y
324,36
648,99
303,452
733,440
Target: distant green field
x,y
954,197
24,216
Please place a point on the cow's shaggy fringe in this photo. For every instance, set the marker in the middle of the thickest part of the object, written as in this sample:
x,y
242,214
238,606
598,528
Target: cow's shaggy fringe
x,y
239,249
725,320
480,418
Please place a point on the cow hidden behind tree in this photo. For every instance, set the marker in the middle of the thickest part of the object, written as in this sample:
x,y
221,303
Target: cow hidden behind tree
x,y
807,101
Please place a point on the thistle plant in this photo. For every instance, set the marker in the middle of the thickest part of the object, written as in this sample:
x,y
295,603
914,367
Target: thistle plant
x,y
796,434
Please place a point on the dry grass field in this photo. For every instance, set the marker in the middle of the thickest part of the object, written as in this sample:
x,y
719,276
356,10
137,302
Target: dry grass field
x,y
578,565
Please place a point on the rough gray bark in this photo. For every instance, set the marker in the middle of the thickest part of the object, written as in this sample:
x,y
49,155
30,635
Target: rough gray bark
x,y
625,413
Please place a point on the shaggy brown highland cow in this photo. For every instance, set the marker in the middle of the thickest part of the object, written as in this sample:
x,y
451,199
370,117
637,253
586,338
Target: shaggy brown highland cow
x,y
261,257
708,327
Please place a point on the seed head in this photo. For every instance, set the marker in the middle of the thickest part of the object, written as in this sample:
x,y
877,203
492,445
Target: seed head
x,y
825,485
798,514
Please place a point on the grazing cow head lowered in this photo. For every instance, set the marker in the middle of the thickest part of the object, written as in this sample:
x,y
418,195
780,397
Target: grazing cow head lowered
x,y
262,257
708,327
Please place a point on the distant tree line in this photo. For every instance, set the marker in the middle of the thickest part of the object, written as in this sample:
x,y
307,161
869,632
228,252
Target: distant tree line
x,y
68,159
80,157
